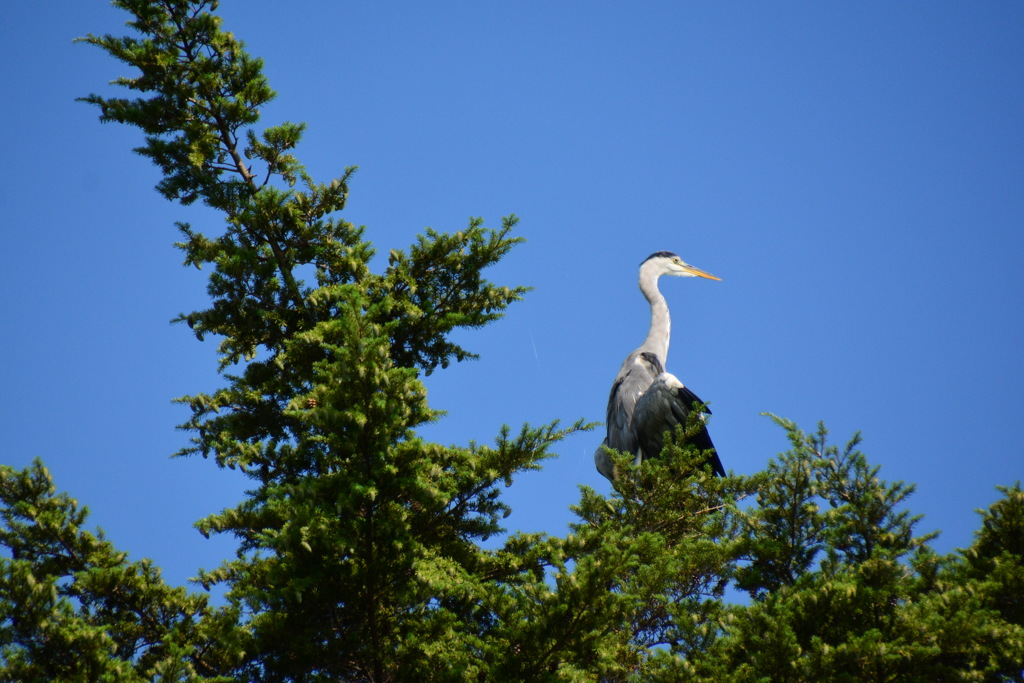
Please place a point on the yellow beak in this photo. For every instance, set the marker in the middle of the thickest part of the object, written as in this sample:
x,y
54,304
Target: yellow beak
x,y
699,273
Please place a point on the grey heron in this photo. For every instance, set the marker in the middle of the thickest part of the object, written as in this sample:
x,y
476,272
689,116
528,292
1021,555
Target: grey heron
x,y
646,401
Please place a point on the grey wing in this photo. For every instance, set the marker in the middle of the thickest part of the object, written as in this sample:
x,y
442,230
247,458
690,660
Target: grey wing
x,y
603,462
666,404
635,376
633,380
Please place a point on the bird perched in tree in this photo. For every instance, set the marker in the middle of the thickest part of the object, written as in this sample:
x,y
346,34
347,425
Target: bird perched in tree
x,y
646,401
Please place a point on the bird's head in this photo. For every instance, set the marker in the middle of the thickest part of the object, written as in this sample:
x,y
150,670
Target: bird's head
x,y
667,263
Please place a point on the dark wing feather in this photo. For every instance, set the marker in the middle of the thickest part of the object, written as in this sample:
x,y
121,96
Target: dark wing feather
x,y
665,405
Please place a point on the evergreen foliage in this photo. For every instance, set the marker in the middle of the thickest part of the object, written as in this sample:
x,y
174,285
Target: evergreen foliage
x,y
847,592
360,551
73,608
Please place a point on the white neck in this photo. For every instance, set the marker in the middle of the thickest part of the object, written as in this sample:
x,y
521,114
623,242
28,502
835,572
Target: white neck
x,y
661,325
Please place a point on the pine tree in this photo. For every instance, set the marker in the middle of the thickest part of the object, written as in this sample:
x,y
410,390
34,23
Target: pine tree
x,y
358,555
996,558
73,608
844,591
676,523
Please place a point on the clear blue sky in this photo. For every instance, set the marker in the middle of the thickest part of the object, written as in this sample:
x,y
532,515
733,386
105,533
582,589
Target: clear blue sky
x,y
854,172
